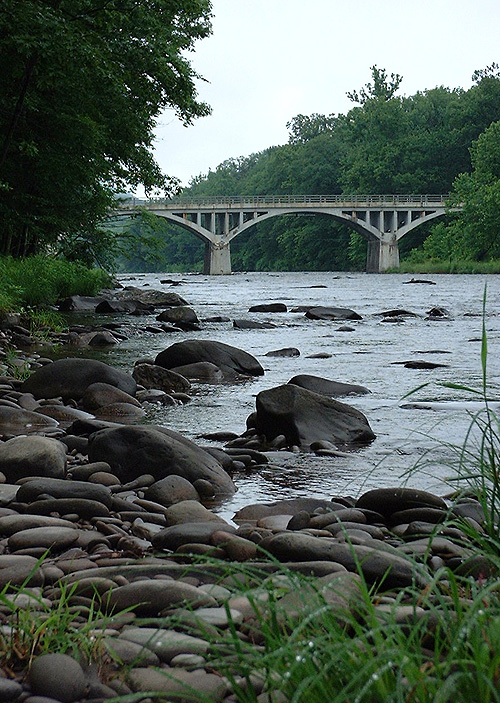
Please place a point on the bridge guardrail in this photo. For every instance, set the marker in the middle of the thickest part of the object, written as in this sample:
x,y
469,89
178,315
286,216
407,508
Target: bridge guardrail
x,y
284,200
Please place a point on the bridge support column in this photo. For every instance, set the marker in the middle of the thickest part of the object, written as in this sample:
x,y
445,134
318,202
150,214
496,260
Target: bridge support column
x,y
217,259
382,254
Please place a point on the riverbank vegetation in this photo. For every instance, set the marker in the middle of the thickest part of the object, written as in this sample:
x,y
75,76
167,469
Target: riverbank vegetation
x,y
42,281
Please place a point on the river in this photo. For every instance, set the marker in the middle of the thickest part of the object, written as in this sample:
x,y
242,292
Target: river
x,y
413,444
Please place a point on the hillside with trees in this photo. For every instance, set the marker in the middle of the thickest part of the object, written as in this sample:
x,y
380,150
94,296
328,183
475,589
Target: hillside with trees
x,y
437,141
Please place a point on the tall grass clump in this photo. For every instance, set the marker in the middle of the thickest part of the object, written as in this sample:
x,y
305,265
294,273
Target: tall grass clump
x,y
41,280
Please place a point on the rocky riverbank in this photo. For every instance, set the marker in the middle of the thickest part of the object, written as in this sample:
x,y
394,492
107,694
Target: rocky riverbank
x,y
110,520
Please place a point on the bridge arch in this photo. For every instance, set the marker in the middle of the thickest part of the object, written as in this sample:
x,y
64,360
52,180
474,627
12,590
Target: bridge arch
x,y
381,219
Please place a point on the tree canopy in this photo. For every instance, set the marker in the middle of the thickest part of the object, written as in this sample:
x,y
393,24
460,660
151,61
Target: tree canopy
x,y
83,84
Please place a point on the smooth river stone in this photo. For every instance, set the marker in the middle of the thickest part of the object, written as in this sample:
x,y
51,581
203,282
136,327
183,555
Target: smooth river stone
x,y
128,652
10,524
16,422
57,676
390,500
197,532
179,684
56,538
18,569
58,488
86,509
32,456
166,644
379,563
148,598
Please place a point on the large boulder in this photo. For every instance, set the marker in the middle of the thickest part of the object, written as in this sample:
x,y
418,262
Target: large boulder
x,y
157,298
230,360
304,417
132,451
32,456
69,378
326,387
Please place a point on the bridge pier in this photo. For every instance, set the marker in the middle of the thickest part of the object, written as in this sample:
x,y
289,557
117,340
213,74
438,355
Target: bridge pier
x,y
382,254
217,258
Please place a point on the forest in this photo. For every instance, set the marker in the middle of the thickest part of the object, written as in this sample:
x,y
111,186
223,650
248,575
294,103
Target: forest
x,y
439,141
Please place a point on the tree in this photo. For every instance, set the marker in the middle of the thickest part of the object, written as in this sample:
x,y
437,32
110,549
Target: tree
x,y
86,82
382,88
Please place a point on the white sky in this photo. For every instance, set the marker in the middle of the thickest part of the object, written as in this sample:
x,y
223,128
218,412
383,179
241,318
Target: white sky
x,y
269,60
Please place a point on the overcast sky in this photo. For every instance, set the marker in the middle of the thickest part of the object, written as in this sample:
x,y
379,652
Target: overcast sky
x,y
269,60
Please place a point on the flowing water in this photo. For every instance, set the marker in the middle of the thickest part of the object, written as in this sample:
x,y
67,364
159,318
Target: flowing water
x,y
412,442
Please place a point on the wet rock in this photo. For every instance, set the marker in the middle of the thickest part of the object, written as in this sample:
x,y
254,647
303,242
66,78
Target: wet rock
x,y
418,364
390,500
150,597
171,489
420,280
191,511
156,298
57,676
256,511
85,509
304,417
120,412
331,313
10,524
397,312
166,644
15,422
20,570
228,359
80,303
376,564
153,376
171,538
58,488
268,307
97,395
63,414
324,386
180,684
181,316
285,352
159,452
107,307
32,456
10,690
252,325
201,371
69,378
52,538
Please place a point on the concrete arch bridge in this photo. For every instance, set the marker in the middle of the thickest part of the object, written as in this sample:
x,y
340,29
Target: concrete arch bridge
x,y
382,219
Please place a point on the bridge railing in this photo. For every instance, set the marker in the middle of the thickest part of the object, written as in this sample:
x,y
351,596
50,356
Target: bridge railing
x,y
253,201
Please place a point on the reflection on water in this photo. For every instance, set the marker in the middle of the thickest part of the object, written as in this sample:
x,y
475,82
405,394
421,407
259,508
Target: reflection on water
x,y
370,355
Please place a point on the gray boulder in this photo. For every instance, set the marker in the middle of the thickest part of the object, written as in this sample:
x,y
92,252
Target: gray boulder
x,y
153,376
15,421
230,360
32,456
201,371
170,490
304,417
268,307
132,451
328,313
181,316
98,395
69,378
326,387
158,298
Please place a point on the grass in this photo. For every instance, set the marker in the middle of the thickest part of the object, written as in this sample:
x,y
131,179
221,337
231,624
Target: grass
x,y
40,281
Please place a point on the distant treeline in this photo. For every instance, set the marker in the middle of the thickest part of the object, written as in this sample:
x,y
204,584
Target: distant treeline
x,y
437,141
